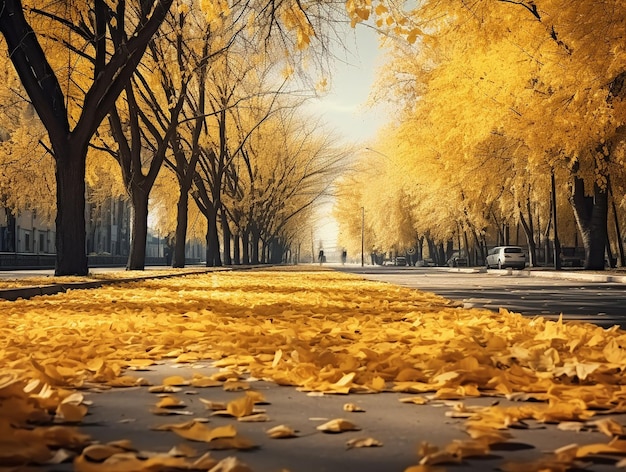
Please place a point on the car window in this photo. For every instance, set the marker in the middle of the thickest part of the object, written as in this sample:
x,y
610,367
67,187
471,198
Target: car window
x,y
512,250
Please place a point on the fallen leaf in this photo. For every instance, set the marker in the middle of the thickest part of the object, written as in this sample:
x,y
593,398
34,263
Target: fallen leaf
x,y
352,408
235,386
164,389
175,380
239,407
237,442
211,405
281,431
337,425
170,402
258,418
363,442
230,464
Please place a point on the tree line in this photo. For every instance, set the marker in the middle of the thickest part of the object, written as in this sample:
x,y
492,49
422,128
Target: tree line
x,y
508,120
194,106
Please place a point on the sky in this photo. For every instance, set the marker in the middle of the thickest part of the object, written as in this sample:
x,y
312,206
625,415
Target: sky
x,y
344,107
346,112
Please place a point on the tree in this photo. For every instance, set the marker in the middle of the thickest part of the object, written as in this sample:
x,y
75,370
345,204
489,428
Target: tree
x,y
547,76
111,71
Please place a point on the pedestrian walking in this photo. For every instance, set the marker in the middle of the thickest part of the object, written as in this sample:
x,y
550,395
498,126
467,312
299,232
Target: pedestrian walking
x,y
320,257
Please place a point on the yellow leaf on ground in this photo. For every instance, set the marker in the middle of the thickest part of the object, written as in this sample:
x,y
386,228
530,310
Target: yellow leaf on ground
x,y
71,413
230,464
363,442
242,406
175,380
235,386
170,402
237,442
281,431
337,425
352,408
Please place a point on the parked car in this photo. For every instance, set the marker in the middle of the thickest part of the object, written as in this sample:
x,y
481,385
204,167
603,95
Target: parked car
x,y
506,256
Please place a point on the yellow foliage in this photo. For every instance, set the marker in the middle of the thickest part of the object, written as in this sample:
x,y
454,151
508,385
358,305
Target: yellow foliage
x,y
318,337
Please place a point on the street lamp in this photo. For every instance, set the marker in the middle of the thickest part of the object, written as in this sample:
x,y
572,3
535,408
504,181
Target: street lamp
x,y
362,236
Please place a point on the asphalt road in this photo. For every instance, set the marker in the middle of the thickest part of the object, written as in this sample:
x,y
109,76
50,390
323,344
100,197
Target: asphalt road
x,y
599,302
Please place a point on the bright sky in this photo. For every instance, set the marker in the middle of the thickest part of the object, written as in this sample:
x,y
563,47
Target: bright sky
x,y
344,107
346,112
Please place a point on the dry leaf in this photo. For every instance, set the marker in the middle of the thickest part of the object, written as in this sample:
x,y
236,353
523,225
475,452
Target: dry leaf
x,y
182,450
608,426
71,413
415,400
571,426
175,380
363,442
235,386
242,406
199,432
201,381
164,389
352,408
258,418
100,452
281,431
211,405
440,457
337,425
170,402
237,442
231,464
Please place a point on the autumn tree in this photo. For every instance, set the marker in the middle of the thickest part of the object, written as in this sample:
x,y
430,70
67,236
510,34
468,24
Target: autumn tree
x,y
546,75
71,125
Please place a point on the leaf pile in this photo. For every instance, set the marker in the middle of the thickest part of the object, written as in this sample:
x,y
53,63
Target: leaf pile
x,y
318,330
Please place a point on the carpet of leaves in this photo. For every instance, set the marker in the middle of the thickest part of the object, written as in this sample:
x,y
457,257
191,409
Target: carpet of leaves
x,y
318,330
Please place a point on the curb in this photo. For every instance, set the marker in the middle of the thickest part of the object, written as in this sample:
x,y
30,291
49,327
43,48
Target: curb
x,y
12,294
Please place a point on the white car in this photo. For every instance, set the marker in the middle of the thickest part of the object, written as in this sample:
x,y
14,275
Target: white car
x,y
506,256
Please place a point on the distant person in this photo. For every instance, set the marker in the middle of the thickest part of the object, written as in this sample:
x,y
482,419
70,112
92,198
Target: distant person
x,y
320,256
344,256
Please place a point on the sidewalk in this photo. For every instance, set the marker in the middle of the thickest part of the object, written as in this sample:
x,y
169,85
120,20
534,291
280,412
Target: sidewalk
x,y
610,275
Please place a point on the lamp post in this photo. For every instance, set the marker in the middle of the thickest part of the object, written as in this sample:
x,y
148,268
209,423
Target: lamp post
x,y
362,236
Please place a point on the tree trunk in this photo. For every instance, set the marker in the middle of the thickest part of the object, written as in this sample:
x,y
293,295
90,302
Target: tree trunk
x,y
182,216
530,235
226,236
245,247
555,234
620,243
255,238
139,230
213,258
591,214
618,232
236,249
71,236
